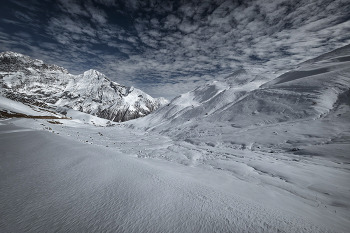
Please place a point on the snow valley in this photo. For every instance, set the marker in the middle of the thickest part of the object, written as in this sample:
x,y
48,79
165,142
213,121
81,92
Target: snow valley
x,y
245,154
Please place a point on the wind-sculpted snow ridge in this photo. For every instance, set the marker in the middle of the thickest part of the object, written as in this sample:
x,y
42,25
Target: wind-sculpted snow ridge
x,y
35,83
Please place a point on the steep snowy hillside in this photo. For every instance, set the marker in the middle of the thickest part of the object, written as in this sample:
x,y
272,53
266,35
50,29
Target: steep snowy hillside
x,y
34,82
203,101
310,91
10,108
297,113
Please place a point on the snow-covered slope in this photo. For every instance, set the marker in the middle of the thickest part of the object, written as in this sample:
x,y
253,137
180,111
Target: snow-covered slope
x,y
34,82
55,183
290,135
12,108
203,101
310,91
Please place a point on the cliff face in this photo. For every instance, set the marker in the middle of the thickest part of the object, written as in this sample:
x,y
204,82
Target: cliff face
x,y
33,82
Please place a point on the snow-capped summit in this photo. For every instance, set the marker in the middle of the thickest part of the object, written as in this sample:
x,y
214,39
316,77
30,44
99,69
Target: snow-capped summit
x,y
34,82
14,62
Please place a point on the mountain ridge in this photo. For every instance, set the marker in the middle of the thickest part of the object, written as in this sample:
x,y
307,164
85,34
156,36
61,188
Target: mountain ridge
x,y
32,81
308,91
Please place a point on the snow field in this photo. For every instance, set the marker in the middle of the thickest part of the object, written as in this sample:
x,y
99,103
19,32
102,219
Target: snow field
x,y
53,183
313,188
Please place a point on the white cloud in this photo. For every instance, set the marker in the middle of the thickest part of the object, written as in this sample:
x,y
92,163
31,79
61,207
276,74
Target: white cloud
x,y
72,7
97,14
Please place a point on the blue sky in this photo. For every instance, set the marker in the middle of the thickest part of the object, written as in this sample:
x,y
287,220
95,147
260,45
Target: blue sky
x,y
166,48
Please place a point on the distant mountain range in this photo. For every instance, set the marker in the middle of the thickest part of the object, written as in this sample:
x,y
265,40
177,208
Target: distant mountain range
x,y
312,90
33,82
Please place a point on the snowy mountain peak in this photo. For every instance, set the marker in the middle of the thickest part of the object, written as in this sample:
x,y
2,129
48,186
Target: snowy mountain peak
x,y
93,72
14,62
11,54
32,81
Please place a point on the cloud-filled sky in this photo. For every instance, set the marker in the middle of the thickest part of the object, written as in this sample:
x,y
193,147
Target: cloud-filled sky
x,y
165,47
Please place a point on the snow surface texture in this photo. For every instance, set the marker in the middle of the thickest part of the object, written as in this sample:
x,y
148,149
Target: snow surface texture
x,y
34,82
233,156
64,178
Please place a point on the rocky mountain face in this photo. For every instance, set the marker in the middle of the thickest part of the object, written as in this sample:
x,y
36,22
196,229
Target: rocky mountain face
x,y
33,82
